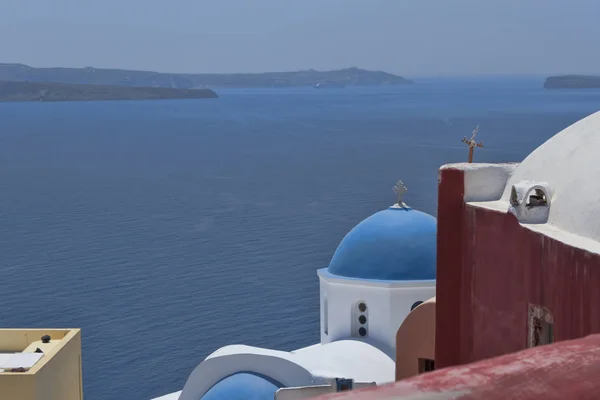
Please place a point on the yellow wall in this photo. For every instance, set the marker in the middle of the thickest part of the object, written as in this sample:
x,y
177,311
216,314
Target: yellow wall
x,y
13,340
56,376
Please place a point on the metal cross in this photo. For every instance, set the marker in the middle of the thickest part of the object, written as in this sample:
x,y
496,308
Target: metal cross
x,y
400,189
472,143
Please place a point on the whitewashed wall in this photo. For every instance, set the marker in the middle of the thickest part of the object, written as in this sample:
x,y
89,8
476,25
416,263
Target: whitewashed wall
x,y
388,305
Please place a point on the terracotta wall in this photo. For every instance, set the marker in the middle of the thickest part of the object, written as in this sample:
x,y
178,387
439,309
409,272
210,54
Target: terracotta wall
x,y
490,268
415,339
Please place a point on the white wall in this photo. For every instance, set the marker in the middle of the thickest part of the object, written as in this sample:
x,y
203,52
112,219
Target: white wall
x,y
388,305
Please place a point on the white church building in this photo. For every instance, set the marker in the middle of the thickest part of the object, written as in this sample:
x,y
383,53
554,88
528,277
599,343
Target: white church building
x,y
384,267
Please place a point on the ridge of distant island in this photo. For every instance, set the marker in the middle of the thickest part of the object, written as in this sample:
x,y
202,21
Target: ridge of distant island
x,y
129,78
572,82
14,91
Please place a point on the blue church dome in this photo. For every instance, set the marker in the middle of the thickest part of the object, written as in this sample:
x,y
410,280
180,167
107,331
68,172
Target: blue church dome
x,y
243,386
396,244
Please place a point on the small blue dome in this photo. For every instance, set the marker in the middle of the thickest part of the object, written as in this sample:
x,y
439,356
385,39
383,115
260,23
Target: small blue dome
x,y
243,386
397,244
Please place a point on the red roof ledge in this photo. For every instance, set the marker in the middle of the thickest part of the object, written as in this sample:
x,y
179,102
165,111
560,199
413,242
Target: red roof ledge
x,y
564,370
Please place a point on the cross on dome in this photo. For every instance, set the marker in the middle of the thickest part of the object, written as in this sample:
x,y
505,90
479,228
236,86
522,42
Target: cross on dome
x,y
400,189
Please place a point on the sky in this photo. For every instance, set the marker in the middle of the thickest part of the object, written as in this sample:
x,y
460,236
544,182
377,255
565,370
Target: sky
x,y
406,37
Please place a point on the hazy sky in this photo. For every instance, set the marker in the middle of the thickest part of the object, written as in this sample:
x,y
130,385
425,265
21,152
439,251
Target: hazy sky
x,y
416,37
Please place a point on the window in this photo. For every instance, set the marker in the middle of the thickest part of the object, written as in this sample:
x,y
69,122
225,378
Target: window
x,y
540,326
537,198
530,196
325,315
415,305
360,319
426,365
343,385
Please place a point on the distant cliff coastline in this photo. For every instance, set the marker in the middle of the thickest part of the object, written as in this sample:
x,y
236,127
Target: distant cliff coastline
x,y
572,82
119,77
43,91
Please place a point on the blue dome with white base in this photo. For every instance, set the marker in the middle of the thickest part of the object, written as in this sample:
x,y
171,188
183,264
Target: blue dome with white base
x,y
396,244
243,386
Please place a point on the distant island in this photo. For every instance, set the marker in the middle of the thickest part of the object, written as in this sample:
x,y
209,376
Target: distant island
x,y
120,77
43,91
572,82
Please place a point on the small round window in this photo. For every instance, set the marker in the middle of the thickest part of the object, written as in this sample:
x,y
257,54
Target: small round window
x,y
415,305
360,319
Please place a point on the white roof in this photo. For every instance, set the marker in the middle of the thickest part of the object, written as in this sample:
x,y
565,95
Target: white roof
x,y
570,163
170,396
18,360
341,359
311,365
347,359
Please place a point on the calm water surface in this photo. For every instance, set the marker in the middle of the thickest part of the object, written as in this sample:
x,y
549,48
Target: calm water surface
x,y
166,229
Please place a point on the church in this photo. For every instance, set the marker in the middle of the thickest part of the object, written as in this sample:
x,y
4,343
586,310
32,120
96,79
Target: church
x,y
382,269
518,260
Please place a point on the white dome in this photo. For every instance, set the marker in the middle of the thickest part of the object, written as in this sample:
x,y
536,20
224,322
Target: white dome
x,y
570,164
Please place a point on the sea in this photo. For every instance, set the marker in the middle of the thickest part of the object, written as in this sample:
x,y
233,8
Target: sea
x,y
167,229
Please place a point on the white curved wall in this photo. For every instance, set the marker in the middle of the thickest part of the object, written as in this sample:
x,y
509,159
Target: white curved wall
x,y
232,359
313,365
568,162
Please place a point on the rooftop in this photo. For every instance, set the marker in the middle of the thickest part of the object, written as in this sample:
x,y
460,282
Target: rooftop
x,y
563,370
34,361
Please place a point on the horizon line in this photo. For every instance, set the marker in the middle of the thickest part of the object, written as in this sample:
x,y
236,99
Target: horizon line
x,y
426,75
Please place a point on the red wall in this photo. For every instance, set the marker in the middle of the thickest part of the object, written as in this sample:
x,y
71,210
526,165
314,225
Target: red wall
x,y
449,271
489,269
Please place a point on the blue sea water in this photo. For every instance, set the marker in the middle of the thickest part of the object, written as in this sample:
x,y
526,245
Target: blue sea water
x,y
166,229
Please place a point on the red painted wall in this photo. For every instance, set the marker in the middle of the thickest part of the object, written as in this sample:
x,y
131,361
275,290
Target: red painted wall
x,y
490,268
449,272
